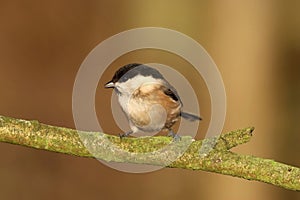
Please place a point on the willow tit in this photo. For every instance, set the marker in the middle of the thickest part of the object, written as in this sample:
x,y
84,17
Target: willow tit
x,y
150,103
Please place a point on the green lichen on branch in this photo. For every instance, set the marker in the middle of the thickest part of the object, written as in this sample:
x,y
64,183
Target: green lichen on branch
x,y
161,151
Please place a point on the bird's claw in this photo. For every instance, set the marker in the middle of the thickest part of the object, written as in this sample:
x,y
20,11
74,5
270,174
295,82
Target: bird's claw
x,y
122,135
175,136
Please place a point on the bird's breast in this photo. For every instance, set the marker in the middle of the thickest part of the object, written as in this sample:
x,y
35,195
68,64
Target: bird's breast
x,y
149,109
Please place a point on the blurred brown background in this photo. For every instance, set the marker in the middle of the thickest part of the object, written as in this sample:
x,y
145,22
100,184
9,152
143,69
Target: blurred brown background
x,y
256,45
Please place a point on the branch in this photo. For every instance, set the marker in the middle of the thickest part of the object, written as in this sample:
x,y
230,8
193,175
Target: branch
x,y
147,150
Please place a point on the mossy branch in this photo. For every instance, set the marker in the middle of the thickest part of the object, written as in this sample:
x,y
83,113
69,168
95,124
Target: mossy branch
x,y
146,150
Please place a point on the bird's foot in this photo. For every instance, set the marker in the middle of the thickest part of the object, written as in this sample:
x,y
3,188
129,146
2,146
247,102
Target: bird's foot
x,y
122,135
175,136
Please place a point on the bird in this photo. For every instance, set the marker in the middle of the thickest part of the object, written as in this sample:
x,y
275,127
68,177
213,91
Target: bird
x,y
149,101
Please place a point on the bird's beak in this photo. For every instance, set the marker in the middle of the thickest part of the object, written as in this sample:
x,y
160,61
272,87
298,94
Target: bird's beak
x,y
110,84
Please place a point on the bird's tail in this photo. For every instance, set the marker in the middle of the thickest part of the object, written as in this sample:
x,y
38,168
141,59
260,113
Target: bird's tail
x,y
190,117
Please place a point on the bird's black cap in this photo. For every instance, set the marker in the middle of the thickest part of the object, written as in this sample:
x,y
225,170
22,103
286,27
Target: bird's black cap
x,y
131,70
